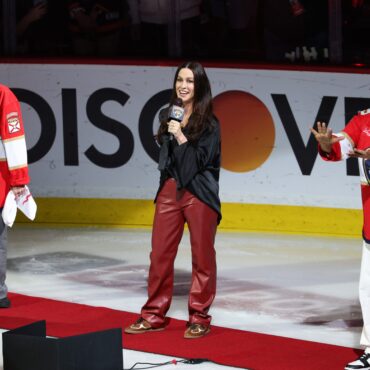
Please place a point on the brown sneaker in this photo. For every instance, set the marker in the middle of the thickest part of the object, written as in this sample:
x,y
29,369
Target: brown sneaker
x,y
141,326
196,331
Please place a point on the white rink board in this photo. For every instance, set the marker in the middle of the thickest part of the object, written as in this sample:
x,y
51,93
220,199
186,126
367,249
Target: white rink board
x,y
278,180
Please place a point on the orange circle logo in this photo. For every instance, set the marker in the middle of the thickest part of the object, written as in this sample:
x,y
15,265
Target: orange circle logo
x,y
247,130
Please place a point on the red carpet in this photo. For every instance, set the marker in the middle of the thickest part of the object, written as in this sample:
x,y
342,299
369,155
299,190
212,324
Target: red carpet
x,y
224,346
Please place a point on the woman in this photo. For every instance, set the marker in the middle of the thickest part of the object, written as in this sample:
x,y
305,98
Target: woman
x,y
188,192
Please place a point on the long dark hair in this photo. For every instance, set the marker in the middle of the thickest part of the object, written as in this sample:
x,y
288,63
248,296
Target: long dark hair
x,y
201,116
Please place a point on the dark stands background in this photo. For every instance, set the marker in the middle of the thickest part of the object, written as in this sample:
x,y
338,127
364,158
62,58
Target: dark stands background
x,y
314,32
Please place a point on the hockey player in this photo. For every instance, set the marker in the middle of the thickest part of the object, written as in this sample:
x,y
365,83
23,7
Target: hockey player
x,y
354,141
13,169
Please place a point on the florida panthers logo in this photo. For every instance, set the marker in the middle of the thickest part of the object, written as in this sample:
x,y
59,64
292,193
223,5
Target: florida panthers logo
x,y
14,124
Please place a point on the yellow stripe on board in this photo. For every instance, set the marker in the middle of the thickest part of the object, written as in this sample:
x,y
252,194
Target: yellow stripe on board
x,y
236,216
292,219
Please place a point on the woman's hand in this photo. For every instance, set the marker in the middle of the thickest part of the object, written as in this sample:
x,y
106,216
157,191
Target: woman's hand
x,y
324,137
174,128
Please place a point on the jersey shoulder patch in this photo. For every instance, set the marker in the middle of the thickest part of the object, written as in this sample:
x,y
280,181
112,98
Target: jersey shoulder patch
x,y
14,124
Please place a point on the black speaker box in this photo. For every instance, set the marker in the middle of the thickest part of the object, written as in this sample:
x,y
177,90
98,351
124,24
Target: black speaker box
x,y
28,348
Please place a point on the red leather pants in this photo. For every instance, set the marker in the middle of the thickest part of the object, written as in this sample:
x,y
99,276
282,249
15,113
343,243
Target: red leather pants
x,y
174,208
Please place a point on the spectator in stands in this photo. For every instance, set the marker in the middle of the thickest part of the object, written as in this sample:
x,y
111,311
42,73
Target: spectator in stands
x,y
356,26
95,27
29,17
283,28
242,15
41,27
158,24
214,28
316,32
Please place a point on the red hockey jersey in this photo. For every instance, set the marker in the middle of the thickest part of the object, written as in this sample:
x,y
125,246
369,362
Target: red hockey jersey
x,y
356,135
13,151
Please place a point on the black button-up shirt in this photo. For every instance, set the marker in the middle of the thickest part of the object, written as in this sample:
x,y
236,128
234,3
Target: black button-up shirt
x,y
194,165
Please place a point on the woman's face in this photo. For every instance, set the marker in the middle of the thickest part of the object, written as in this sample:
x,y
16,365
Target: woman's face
x,y
185,85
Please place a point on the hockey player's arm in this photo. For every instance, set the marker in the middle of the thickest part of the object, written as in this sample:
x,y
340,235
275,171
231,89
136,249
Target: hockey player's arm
x,y
357,153
16,155
14,143
332,147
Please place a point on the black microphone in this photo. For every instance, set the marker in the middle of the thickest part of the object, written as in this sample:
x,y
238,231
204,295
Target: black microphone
x,y
176,112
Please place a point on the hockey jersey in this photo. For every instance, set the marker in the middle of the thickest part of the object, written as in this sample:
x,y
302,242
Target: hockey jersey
x,y
356,135
13,151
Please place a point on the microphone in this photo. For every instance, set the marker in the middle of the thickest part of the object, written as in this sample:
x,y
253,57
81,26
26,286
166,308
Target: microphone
x,y
176,112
